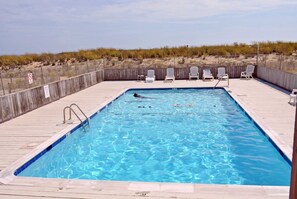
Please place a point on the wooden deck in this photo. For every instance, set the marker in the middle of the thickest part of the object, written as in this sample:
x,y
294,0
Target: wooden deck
x,y
29,133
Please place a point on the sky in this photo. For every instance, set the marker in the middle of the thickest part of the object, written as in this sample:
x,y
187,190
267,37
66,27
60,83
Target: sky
x,y
53,26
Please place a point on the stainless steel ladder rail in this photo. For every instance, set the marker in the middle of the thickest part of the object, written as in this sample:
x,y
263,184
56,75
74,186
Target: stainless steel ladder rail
x,y
217,83
73,104
219,80
72,111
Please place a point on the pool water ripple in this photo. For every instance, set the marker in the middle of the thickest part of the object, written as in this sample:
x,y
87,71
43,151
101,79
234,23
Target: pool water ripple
x,y
180,135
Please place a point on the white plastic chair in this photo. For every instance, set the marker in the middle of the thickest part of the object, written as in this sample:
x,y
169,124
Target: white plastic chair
x,y
194,72
222,73
170,74
293,97
150,76
207,74
248,73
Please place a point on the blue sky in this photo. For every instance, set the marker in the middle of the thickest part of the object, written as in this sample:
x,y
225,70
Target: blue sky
x,y
36,26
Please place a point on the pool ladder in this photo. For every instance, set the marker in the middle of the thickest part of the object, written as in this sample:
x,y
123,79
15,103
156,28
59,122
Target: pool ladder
x,y
220,79
71,110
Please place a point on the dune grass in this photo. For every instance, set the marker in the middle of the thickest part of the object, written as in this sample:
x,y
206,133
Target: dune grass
x,y
15,61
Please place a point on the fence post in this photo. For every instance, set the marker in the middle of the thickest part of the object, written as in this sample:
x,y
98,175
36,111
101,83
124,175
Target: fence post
x,y
280,61
88,66
9,88
174,61
293,188
26,82
258,51
10,84
97,65
76,70
2,85
187,56
42,78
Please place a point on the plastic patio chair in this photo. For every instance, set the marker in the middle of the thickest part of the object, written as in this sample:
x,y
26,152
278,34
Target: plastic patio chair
x,y
222,73
170,74
150,76
194,72
207,74
248,73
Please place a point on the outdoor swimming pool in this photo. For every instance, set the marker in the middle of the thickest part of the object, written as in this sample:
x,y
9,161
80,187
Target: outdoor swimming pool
x,y
175,135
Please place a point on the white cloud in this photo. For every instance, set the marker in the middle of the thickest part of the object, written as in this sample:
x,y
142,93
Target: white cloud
x,y
181,10
127,10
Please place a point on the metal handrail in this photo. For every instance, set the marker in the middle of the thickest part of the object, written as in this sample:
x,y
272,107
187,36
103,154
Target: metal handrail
x,y
72,110
217,82
220,79
73,104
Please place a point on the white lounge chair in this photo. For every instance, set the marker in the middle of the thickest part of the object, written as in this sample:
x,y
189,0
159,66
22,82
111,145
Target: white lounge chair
x,y
207,74
248,73
150,76
222,73
293,97
194,72
170,74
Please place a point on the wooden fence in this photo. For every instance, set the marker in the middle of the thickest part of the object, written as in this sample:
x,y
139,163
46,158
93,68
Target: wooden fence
x,y
180,73
282,79
21,102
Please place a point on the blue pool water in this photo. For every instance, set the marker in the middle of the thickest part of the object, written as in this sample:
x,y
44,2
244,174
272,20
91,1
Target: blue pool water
x,y
176,135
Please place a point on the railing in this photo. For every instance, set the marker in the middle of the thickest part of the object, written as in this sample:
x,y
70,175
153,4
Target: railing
x,y
79,110
71,110
222,78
